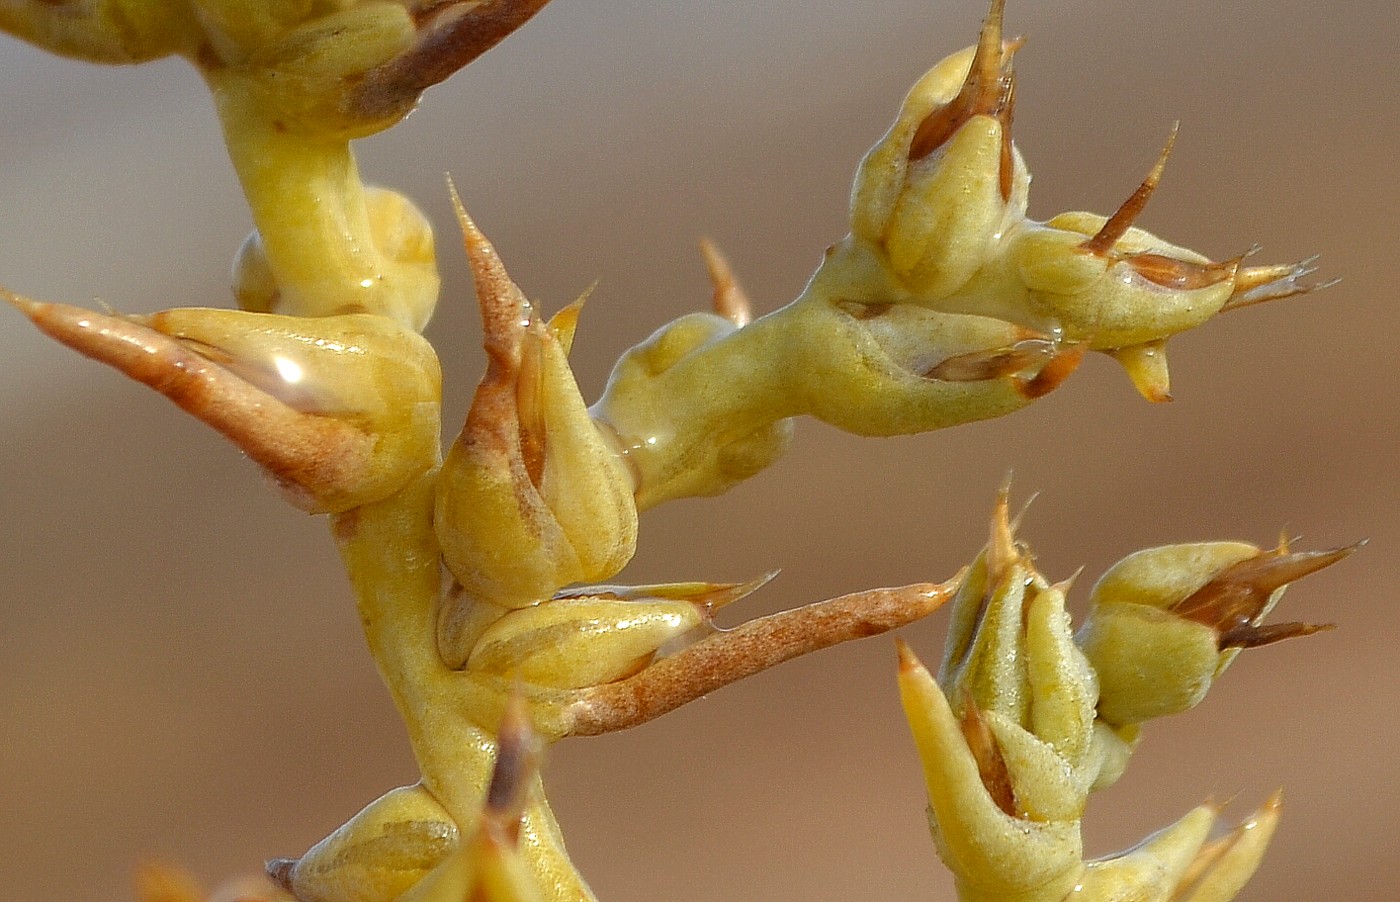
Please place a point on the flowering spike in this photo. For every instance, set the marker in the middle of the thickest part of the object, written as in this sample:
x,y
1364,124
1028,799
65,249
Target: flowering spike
x,y
945,304
1118,224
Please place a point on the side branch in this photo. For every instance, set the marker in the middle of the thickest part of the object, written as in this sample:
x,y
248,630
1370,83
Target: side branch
x,y
729,656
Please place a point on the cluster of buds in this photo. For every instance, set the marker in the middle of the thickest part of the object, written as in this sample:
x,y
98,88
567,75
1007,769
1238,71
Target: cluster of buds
x,y
1026,718
945,304
939,212
535,508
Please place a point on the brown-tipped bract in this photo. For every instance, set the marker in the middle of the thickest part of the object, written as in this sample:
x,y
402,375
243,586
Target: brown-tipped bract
x,y
532,497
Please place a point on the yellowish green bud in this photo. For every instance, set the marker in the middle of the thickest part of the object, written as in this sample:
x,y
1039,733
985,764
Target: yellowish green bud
x,y
1165,623
1010,651
940,186
993,854
1012,720
340,411
573,643
377,855
365,371
1021,854
532,497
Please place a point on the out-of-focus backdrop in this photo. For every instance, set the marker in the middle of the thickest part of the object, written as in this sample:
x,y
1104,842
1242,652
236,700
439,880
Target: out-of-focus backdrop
x,y
181,673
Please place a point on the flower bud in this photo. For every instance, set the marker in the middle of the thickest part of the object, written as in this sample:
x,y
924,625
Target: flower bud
x,y
1164,623
497,861
1116,286
377,855
1008,737
596,637
339,410
531,496
899,369
993,854
942,183
1113,287
1009,650
360,370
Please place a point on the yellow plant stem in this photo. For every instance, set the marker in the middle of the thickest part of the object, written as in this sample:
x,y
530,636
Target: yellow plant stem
x,y
306,196
393,562
691,405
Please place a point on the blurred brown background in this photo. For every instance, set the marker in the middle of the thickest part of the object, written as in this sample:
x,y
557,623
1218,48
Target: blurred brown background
x,y
181,674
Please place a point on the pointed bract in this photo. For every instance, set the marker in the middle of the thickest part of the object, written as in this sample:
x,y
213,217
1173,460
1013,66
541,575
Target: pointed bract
x,y
532,496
